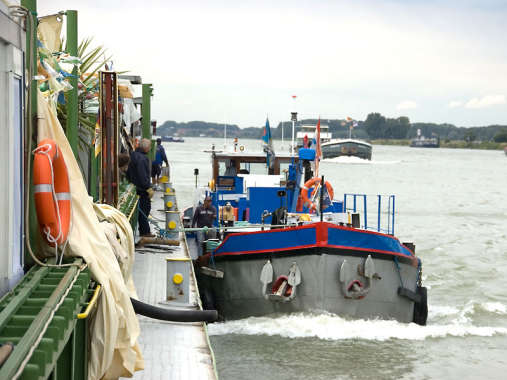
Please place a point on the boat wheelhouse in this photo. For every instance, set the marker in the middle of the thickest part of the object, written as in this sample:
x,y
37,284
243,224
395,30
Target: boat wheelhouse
x,y
308,131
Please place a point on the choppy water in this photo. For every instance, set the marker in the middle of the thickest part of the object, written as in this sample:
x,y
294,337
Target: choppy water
x,y
453,205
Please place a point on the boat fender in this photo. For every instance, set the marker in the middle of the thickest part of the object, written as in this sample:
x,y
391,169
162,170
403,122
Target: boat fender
x,y
208,299
421,307
51,192
407,293
173,315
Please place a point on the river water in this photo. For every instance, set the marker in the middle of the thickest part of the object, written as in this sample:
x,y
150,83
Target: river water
x,y
453,205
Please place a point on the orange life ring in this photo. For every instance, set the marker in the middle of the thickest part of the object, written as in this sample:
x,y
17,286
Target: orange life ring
x,y
51,192
308,185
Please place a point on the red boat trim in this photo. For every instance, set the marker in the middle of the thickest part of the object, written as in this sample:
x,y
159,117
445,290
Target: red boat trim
x,y
321,238
287,250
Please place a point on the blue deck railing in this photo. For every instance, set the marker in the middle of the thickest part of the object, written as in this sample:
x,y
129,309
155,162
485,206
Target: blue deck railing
x,y
384,204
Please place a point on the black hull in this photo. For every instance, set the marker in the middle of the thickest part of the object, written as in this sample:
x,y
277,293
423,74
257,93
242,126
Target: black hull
x,y
346,149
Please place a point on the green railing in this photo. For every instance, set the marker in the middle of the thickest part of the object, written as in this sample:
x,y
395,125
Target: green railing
x,y
127,203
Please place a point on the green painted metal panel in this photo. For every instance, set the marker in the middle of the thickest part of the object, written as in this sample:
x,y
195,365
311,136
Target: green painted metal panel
x,y
62,350
147,92
71,123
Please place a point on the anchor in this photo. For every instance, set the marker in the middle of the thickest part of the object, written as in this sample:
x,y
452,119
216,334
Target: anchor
x,y
284,288
355,289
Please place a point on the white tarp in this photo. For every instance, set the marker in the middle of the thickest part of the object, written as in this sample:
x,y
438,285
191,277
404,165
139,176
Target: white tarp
x,y
114,327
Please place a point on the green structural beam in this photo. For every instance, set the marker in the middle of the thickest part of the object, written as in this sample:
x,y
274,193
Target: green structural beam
x,y
146,110
31,5
31,115
72,102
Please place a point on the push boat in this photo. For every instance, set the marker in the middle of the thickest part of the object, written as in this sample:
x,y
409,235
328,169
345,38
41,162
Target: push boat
x,y
421,141
348,148
293,247
172,139
332,148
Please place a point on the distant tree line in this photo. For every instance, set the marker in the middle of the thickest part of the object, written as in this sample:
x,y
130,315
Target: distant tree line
x,y
376,126
449,132
380,127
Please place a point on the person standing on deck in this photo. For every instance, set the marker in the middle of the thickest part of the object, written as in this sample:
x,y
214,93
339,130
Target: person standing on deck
x,y
203,217
138,173
156,166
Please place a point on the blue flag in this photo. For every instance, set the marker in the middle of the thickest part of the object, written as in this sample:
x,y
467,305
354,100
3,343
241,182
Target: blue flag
x,y
267,145
326,198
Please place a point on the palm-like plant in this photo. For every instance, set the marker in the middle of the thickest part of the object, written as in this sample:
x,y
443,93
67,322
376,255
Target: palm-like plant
x,y
92,60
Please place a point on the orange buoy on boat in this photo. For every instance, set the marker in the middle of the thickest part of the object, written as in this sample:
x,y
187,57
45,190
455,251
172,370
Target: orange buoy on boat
x,y
308,185
51,192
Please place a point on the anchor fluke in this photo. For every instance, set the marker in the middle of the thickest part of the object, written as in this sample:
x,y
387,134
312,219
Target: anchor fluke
x,y
353,288
266,277
284,288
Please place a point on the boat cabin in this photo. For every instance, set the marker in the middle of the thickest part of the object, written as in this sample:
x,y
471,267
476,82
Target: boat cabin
x,y
251,185
232,164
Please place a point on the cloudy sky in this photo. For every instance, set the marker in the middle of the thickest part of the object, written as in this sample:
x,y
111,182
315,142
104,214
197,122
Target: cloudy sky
x,y
237,61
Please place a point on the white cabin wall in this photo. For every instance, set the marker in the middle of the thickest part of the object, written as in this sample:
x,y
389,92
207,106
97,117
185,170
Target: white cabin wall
x,y
11,158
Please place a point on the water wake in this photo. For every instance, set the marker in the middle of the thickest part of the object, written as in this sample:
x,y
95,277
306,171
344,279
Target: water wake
x,y
358,161
332,327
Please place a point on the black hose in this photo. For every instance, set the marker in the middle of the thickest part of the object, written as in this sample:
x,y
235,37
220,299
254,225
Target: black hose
x,y
173,315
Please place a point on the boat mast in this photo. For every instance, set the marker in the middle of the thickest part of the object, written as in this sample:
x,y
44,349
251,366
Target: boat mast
x,y
294,118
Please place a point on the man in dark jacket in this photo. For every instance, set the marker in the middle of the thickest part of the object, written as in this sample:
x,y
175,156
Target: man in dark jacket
x,y
138,173
203,217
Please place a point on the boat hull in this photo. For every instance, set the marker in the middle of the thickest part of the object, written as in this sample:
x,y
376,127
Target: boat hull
x,y
239,293
347,149
425,143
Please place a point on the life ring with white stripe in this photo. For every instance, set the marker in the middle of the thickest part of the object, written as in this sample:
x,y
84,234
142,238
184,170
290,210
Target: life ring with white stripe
x,y
307,186
51,192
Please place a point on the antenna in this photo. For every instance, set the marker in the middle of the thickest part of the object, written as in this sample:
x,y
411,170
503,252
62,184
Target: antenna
x,y
294,118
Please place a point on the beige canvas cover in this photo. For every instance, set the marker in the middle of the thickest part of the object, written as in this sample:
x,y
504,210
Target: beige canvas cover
x,y
49,29
114,328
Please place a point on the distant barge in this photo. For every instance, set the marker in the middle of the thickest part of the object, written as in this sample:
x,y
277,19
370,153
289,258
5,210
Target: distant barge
x,y
425,142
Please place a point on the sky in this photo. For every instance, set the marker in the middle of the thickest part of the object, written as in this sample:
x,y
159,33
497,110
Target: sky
x,y
239,61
